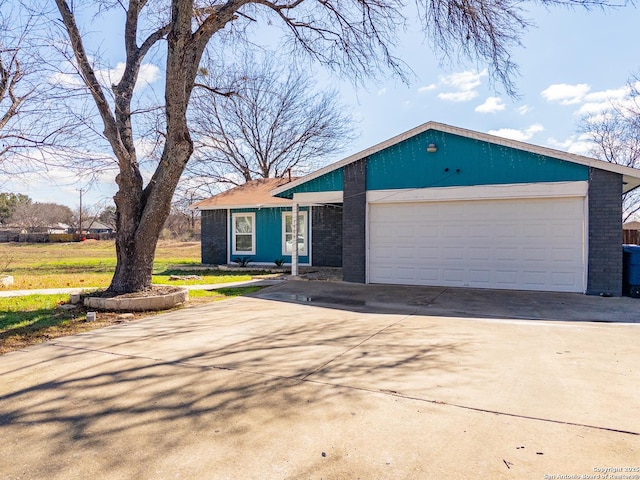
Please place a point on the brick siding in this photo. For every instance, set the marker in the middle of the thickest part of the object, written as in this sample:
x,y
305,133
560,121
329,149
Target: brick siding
x,y
214,237
353,222
326,238
605,233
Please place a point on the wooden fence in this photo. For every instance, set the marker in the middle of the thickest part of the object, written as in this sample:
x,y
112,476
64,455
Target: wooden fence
x,y
631,237
52,237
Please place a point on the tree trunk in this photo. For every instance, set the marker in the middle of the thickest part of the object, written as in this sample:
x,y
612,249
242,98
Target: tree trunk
x,y
141,217
135,264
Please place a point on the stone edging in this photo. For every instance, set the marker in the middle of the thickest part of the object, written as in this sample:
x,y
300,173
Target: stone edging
x,y
138,304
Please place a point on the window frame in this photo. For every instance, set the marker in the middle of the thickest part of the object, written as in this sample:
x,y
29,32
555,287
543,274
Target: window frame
x,y
305,237
234,234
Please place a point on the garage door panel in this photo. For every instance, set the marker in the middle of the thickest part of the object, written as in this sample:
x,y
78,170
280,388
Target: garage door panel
x,y
521,244
429,253
479,253
480,276
429,275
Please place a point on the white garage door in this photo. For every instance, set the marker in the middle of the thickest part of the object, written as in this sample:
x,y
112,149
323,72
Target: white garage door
x,y
529,244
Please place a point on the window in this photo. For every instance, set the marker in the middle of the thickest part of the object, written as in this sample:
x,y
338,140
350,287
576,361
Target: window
x,y
287,233
244,238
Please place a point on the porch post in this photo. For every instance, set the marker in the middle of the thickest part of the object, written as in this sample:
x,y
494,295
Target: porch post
x,y
294,239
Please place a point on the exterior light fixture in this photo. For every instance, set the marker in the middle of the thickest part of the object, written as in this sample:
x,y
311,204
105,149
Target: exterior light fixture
x,y
432,148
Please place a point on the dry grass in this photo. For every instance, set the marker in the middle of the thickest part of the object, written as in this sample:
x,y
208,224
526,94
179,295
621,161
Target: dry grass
x,y
80,264
35,319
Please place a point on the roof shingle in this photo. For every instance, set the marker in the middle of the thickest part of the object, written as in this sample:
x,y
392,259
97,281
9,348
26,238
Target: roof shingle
x,y
254,193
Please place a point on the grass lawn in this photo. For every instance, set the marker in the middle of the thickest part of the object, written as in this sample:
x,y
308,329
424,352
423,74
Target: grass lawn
x,y
91,264
37,318
34,319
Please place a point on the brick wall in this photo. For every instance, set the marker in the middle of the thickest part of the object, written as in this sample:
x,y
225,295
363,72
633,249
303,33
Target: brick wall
x,y
605,233
326,238
214,237
353,222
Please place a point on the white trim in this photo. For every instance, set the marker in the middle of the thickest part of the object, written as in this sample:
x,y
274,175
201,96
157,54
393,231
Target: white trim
x,y
585,242
480,192
301,213
265,264
228,233
367,240
334,196
310,236
632,175
235,215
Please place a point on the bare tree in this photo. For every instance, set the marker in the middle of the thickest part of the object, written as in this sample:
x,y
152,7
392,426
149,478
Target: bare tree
x,y
269,123
107,216
15,87
38,216
615,135
353,36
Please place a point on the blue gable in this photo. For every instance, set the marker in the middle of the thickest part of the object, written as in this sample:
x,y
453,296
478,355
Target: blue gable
x,y
330,182
459,161
462,161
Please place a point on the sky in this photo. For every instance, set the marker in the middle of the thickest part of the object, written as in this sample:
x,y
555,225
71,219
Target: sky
x,y
570,64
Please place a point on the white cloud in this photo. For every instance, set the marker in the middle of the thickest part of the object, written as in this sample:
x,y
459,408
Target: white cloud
x,y
593,108
566,94
598,102
382,91
519,135
427,88
467,80
604,95
67,80
144,147
463,96
491,105
465,83
580,145
524,109
148,74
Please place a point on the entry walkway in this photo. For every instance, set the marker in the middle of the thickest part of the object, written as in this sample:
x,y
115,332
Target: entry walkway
x,y
56,291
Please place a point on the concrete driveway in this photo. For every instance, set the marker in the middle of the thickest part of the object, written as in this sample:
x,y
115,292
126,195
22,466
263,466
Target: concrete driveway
x,y
313,380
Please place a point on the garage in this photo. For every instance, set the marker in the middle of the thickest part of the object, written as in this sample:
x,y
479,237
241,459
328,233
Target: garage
x,y
525,244
440,205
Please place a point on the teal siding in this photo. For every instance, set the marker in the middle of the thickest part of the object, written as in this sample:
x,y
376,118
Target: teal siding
x,y
329,182
459,161
462,161
269,234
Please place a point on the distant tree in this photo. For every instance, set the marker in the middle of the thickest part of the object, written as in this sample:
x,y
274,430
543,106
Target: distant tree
x,y
180,225
615,136
8,204
107,216
268,122
35,216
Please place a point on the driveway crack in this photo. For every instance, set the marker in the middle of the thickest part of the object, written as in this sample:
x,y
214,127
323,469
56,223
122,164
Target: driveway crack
x,y
353,347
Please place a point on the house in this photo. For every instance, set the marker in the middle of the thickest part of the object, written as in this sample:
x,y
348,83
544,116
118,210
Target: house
x,y
441,205
95,227
248,222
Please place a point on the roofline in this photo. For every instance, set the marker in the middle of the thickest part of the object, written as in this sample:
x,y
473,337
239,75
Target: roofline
x,y
463,132
227,207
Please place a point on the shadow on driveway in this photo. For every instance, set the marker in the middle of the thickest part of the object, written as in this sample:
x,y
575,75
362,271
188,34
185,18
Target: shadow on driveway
x,y
457,302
